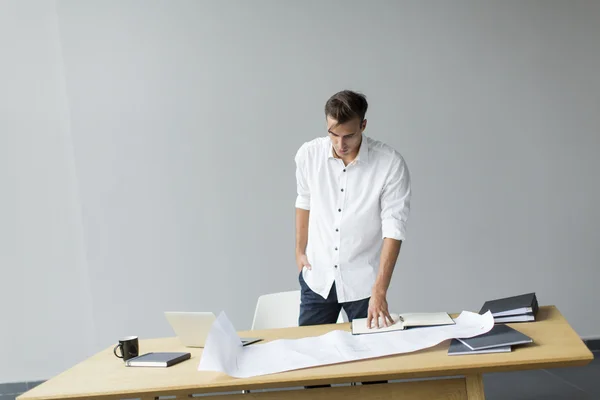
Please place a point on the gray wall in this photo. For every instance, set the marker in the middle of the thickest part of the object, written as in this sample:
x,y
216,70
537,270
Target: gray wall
x,y
47,320
184,118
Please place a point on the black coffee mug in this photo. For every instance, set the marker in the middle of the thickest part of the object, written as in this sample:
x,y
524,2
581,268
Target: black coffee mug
x,y
129,348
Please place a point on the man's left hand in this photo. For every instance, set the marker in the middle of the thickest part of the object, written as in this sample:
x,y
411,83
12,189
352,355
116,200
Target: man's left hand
x,y
378,309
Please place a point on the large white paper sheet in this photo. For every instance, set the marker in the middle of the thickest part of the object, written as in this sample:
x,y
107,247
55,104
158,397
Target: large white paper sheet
x,y
223,351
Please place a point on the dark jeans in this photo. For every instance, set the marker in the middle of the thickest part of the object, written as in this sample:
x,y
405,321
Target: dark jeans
x,y
315,310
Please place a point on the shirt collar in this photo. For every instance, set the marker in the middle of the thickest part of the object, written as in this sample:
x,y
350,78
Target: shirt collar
x,y
363,151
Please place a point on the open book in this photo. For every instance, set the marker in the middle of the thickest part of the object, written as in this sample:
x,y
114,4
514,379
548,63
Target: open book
x,y
401,322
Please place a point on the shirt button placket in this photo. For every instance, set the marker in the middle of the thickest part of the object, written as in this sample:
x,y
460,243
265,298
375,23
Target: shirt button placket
x,y
341,204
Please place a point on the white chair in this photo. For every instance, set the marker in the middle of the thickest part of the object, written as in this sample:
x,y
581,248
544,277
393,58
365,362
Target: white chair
x,y
281,310
277,310
343,317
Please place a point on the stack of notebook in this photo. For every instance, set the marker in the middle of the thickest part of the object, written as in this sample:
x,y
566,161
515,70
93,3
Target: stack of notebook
x,y
521,308
500,339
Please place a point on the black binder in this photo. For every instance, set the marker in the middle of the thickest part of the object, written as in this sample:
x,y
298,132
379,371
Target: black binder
x,y
512,309
458,348
498,336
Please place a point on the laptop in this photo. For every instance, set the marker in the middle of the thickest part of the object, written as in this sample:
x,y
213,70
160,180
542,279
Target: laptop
x,y
192,327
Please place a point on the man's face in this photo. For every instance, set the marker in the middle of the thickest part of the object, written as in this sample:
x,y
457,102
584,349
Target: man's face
x,y
346,138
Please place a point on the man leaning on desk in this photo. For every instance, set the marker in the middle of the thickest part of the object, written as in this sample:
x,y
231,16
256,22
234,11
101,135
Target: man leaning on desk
x,y
351,211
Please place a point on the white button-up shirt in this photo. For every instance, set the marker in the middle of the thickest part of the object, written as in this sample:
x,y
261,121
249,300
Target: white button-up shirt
x,y
352,208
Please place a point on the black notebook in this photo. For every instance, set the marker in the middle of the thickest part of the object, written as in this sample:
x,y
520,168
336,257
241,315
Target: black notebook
x,y
525,304
498,336
457,348
157,359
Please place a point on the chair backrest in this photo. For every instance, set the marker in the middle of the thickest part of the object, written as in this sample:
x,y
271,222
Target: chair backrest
x,y
277,310
281,310
343,317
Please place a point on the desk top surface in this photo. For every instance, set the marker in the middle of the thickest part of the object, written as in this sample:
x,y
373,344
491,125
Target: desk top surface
x,y
556,344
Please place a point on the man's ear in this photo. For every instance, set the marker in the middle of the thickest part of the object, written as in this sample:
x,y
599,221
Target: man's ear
x,y
363,124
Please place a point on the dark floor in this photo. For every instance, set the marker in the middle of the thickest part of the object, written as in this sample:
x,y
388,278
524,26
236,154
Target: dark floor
x,y
576,383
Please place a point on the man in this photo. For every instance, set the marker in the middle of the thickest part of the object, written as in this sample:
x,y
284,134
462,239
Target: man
x,y
351,211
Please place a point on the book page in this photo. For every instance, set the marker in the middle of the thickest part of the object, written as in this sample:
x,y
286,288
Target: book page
x,y
427,319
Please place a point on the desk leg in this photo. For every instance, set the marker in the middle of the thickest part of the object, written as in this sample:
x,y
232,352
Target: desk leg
x,y
475,387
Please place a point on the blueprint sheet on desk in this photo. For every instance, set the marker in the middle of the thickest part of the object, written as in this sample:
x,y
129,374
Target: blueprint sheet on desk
x,y
223,351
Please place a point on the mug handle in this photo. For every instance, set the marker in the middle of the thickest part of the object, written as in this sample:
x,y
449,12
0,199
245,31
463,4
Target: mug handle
x,y
115,350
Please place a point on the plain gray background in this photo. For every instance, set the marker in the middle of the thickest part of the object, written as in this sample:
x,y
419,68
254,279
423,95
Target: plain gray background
x,y
147,157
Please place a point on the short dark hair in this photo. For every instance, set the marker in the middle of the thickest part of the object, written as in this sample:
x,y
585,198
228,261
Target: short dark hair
x,y
346,105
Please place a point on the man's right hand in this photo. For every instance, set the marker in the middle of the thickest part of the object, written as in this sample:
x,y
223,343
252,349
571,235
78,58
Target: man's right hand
x,y
302,261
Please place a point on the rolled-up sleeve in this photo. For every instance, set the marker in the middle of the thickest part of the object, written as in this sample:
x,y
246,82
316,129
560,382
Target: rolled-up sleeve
x,y
395,201
303,192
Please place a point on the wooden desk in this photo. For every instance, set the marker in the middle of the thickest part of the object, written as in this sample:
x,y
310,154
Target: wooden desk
x,y
103,376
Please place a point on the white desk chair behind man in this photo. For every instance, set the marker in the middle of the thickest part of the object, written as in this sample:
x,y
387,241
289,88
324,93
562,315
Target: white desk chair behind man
x,y
280,310
352,205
